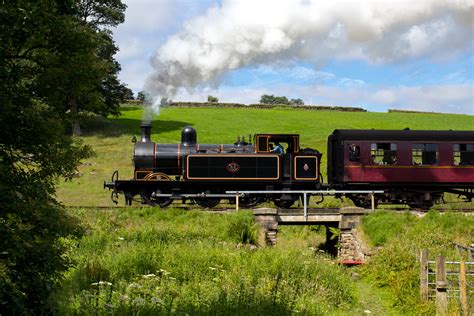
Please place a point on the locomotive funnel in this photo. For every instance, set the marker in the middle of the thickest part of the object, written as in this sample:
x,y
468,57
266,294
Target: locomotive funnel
x,y
188,136
146,132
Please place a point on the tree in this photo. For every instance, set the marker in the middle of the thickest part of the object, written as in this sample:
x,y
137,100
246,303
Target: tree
x,y
296,101
212,99
84,70
271,99
50,61
141,96
128,94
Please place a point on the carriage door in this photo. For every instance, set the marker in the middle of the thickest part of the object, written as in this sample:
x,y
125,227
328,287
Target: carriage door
x,y
353,162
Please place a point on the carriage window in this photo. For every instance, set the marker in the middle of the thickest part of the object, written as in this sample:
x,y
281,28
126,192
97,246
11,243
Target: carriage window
x,y
463,154
384,153
354,153
424,154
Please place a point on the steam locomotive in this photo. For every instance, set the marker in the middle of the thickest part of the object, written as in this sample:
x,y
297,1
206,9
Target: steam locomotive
x,y
164,172
411,167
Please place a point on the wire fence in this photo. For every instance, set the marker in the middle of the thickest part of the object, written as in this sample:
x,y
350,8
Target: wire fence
x,y
447,282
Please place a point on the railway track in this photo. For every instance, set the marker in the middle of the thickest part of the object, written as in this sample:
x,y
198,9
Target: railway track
x,y
231,208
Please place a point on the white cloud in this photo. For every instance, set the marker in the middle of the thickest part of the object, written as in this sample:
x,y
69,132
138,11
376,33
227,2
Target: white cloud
x,y
244,33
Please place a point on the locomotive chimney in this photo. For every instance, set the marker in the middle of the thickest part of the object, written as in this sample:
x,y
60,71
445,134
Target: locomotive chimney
x,y
188,136
146,132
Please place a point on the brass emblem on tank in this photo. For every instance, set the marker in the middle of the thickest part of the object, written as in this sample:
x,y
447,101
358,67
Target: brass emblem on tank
x,y
233,167
306,167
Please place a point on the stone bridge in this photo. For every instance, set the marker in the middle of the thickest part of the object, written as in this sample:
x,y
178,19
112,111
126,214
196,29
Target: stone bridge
x,y
346,219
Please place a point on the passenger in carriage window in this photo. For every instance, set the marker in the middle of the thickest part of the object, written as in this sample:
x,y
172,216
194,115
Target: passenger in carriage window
x,y
354,153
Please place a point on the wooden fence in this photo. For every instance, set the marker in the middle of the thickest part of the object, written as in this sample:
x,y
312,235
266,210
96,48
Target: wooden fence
x,y
448,282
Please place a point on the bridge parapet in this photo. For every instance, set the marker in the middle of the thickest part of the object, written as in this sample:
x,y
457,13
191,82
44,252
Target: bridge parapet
x,y
347,219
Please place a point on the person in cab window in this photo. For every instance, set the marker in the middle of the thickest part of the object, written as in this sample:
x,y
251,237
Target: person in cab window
x,y
278,148
354,153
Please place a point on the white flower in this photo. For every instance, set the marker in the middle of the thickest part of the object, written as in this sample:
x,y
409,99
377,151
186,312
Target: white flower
x,y
151,275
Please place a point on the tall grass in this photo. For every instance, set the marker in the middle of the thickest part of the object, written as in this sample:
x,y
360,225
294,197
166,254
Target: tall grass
x,y
143,262
395,266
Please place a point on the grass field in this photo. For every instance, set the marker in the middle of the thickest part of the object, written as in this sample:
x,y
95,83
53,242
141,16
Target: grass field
x,y
145,261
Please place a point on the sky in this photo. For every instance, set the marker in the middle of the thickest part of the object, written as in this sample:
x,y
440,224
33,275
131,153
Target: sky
x,y
375,54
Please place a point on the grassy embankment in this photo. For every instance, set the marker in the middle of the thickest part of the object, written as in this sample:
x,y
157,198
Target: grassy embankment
x,y
145,261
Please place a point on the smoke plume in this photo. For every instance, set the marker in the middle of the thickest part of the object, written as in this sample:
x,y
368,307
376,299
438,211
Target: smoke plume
x,y
245,33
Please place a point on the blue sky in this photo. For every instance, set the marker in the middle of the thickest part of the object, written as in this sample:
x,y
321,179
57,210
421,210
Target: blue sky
x,y
196,48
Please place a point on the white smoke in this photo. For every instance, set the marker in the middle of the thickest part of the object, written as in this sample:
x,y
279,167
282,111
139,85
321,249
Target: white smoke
x,y
244,33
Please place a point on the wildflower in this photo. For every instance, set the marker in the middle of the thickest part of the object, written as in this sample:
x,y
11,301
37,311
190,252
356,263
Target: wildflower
x,y
151,275
121,238
164,272
134,286
124,297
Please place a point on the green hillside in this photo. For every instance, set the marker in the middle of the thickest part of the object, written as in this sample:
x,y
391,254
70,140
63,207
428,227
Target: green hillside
x,y
111,138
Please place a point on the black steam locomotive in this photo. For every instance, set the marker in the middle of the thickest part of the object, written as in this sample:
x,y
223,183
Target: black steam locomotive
x,y
205,172
411,167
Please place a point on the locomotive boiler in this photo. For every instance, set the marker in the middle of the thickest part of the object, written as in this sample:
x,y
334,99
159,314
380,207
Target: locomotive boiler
x,y
205,172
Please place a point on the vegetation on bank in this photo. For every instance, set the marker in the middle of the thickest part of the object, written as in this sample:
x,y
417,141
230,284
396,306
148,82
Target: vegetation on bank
x,y
144,261
400,237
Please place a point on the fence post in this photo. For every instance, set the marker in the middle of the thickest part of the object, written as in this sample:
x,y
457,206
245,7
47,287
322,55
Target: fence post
x,y
441,287
463,288
424,275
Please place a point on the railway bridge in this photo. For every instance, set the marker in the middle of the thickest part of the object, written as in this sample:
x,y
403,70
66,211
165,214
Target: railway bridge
x,y
346,219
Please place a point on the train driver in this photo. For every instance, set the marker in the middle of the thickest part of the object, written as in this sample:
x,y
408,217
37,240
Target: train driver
x,y
278,148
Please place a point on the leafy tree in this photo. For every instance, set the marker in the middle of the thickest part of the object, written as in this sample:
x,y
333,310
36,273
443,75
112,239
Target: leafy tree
x,y
141,96
296,101
212,99
128,94
271,99
83,75
52,59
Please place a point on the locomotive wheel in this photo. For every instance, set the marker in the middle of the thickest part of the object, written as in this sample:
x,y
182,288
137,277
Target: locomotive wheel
x,y
249,201
425,205
161,201
283,203
207,202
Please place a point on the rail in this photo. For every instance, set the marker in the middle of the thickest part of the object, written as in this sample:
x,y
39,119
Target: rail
x,y
305,195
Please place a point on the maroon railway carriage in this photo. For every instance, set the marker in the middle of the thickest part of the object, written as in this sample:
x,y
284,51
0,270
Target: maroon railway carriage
x,y
413,167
